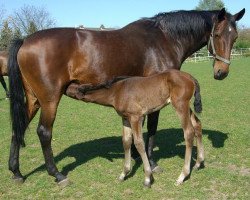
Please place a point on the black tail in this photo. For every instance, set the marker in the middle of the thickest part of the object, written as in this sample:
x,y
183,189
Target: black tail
x,y
85,89
197,97
18,111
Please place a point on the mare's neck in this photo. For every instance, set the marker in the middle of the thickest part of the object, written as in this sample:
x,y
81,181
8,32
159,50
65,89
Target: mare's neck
x,y
191,33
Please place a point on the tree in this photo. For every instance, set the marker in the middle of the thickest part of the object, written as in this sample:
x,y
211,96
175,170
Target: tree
x,y
32,28
2,12
33,18
210,5
17,33
6,36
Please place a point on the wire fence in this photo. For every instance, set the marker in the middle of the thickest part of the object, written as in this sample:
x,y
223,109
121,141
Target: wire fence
x,y
204,55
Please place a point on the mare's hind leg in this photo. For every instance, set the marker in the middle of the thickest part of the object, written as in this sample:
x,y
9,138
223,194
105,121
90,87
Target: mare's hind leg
x,y
44,131
183,111
32,107
136,125
127,141
198,133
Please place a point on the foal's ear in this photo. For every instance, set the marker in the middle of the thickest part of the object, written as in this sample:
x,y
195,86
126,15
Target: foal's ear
x,y
221,15
239,15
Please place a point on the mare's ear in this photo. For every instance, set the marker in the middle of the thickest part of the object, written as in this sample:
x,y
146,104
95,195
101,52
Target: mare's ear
x,y
221,15
239,15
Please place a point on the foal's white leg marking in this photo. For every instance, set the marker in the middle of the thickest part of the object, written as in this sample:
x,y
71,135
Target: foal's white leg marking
x,y
127,141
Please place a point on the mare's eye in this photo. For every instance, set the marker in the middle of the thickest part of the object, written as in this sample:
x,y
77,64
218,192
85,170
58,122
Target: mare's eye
x,y
216,35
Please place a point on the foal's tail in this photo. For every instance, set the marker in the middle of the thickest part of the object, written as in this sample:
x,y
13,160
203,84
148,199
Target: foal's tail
x,y
18,111
197,97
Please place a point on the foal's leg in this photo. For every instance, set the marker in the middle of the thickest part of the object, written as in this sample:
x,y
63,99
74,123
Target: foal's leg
x,y
182,109
127,141
198,133
32,107
44,131
152,128
136,125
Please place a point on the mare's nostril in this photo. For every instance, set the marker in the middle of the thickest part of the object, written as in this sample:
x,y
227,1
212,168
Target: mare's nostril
x,y
218,73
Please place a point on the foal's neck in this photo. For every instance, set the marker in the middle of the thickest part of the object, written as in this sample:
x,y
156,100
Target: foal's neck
x,y
101,96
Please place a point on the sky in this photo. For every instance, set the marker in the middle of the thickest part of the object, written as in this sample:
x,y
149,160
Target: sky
x,y
114,13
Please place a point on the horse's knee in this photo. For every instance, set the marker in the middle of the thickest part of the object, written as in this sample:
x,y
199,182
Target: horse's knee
x,y
44,134
127,142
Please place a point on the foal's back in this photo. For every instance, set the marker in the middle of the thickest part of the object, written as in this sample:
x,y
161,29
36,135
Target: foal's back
x,y
145,95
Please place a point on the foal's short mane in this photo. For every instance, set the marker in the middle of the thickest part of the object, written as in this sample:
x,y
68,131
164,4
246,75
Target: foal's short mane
x,y
179,24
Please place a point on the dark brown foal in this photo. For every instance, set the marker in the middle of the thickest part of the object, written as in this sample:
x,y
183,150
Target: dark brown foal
x,y
134,98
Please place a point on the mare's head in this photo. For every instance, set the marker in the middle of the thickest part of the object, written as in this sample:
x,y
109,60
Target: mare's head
x,y
222,38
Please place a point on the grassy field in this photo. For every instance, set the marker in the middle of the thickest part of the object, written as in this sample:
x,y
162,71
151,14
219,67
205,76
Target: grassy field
x,y
88,148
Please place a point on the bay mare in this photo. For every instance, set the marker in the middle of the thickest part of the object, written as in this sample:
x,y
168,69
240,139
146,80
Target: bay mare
x,y
48,61
4,70
136,97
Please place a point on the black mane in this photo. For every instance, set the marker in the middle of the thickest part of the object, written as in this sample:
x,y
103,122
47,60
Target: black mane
x,y
179,24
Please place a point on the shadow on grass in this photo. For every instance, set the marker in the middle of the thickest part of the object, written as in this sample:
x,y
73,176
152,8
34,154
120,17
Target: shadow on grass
x,y
169,142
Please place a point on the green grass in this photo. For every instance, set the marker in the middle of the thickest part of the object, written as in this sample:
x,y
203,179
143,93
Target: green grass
x,y
87,146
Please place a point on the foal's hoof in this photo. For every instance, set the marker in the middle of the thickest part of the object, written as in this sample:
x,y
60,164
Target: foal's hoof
x,y
180,179
63,183
199,166
157,170
18,179
178,183
121,178
147,184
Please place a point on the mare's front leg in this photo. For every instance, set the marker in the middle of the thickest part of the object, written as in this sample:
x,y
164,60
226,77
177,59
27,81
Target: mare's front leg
x,y
136,125
44,131
127,141
152,128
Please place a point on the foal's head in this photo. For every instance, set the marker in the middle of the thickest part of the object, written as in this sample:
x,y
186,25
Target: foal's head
x,y
222,38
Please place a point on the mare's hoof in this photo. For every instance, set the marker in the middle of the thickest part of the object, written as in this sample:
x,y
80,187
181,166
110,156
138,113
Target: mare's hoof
x,y
157,170
18,179
63,183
